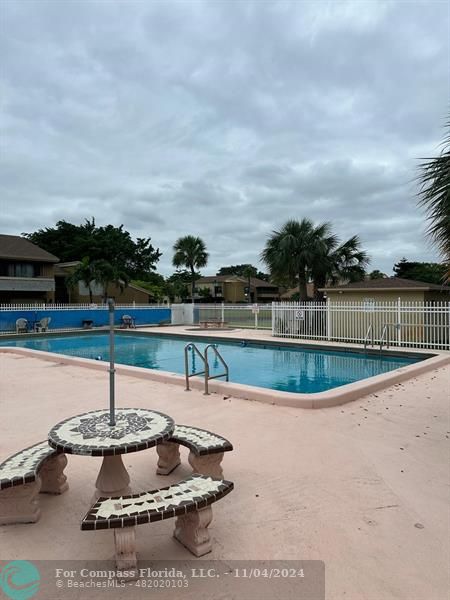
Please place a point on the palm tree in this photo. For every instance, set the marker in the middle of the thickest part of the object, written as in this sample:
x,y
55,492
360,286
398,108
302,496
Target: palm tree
x,y
106,273
290,252
434,196
335,262
100,271
190,252
301,251
249,272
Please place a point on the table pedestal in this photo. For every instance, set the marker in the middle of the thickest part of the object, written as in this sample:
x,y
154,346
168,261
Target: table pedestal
x,y
113,479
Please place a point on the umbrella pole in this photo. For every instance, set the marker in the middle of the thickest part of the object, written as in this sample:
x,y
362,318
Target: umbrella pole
x,y
112,370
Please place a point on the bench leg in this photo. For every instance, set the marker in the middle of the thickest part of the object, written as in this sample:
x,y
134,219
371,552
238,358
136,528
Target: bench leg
x,y
168,457
191,530
52,475
125,548
20,504
207,465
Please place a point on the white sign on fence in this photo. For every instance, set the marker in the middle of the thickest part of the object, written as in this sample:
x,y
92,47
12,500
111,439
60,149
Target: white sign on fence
x,y
300,315
255,309
369,304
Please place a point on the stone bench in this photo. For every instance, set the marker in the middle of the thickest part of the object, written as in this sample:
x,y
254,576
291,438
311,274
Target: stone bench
x,y
206,451
38,469
215,323
189,500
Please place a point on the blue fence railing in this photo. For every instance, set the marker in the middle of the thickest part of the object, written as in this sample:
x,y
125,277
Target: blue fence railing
x,y
73,318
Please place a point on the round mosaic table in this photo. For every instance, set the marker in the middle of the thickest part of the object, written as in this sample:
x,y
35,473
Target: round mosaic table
x,y
90,434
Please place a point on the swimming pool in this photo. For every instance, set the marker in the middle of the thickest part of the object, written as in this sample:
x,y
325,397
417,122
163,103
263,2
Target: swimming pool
x,y
273,366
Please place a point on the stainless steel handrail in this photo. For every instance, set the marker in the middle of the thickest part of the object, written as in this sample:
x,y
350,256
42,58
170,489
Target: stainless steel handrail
x,y
204,358
369,332
220,358
385,332
193,348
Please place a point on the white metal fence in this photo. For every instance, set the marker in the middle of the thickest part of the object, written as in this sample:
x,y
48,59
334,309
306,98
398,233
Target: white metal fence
x,y
409,324
256,316
50,306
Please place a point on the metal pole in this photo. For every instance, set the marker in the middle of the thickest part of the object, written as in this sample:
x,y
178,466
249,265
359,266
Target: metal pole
x,y
112,370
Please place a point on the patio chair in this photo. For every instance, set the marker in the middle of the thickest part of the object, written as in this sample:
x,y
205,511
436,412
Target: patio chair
x,y
21,326
43,324
128,322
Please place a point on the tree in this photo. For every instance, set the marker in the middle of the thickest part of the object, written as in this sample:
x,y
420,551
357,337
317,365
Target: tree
x,y
301,251
113,244
289,251
100,271
421,271
248,272
190,252
240,271
376,274
155,284
434,196
177,285
334,262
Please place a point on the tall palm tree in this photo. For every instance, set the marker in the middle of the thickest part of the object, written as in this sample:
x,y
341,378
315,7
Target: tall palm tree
x,y
434,196
290,252
190,252
334,262
249,272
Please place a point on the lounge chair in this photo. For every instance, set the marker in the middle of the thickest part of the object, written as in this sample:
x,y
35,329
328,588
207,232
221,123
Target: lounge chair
x,y
21,326
43,324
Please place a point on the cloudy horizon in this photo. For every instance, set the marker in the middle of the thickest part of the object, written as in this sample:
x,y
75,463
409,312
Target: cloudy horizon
x,y
223,119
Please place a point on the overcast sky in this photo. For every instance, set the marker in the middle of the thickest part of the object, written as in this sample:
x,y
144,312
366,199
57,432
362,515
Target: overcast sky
x,y
222,119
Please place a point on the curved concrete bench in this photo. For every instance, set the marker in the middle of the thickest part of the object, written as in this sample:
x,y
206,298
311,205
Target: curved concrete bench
x,y
38,469
190,500
206,451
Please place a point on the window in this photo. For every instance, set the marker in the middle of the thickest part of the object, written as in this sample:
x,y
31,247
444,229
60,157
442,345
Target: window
x,y
22,270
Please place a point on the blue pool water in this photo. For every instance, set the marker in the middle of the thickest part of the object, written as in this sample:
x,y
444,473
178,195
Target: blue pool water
x,y
271,366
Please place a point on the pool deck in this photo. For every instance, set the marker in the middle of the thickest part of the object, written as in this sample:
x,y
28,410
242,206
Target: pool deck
x,y
363,487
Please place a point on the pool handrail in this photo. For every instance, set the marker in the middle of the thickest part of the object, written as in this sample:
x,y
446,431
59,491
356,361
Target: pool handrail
x,y
220,358
193,347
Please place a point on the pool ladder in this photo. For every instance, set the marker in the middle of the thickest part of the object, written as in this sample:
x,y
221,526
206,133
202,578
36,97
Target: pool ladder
x,y
204,358
385,338
369,332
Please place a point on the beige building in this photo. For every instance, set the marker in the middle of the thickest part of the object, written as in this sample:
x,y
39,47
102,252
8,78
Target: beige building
x,y
234,289
388,289
26,272
80,293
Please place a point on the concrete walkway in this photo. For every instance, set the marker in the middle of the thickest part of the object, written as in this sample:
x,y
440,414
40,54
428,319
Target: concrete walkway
x,y
363,487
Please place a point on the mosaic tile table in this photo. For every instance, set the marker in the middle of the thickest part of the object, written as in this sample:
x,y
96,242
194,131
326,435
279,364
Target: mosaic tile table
x,y
90,434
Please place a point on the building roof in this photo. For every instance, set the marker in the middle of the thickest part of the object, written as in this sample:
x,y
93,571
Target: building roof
x,y
19,248
395,284
254,281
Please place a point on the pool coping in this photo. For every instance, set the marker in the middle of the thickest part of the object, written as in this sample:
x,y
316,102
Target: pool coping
x,y
334,397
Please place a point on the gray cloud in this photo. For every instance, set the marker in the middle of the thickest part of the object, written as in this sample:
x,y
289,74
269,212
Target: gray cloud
x,y
223,119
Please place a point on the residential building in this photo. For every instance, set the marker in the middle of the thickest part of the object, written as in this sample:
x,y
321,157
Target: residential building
x,y
235,289
294,292
79,294
26,272
387,289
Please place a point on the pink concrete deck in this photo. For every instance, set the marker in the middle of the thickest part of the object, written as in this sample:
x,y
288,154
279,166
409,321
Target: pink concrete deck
x,y
346,484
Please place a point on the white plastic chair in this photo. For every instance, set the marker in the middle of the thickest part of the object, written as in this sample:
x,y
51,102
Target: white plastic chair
x,y
21,326
43,324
